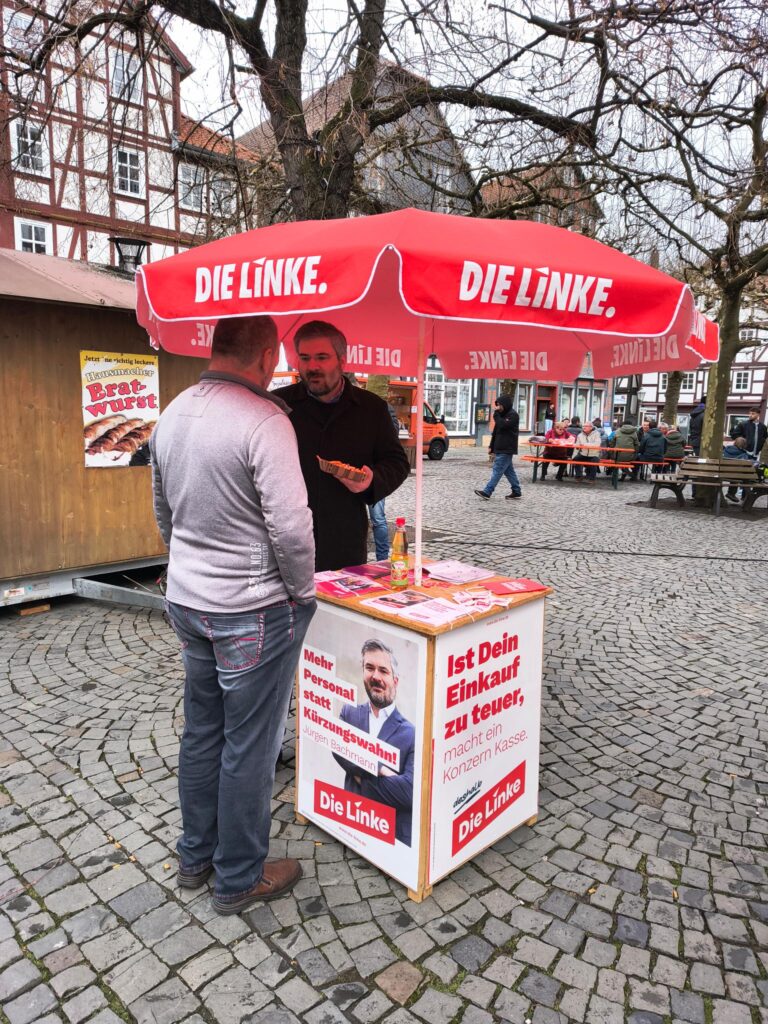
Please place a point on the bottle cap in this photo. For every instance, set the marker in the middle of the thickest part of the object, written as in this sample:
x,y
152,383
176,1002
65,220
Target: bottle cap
x,y
400,521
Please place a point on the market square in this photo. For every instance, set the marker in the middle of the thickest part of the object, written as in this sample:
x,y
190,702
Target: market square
x,y
639,894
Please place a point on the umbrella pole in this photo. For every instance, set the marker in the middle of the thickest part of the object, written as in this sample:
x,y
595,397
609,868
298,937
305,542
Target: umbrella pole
x,y
420,368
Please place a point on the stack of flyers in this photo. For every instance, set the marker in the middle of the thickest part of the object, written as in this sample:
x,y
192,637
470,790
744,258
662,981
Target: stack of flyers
x,y
519,586
339,583
452,571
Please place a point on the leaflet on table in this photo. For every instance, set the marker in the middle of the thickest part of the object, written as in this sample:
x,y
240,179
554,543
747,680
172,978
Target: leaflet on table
x,y
518,586
360,728
339,583
396,602
453,571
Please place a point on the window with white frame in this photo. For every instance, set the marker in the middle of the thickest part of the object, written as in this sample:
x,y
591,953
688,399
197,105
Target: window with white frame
x,y
223,191
128,172
22,32
663,381
451,399
741,380
30,152
191,180
33,236
689,380
126,76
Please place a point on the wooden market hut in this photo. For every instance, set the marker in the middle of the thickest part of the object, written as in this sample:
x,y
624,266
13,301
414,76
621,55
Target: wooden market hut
x,y
58,519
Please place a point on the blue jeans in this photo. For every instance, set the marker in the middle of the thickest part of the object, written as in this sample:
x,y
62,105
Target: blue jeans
x,y
239,673
502,466
380,531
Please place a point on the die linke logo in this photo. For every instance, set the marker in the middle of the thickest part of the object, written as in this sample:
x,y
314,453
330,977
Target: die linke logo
x,y
537,287
482,812
258,279
361,814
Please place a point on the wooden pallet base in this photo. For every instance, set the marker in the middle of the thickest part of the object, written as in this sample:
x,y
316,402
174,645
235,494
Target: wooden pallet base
x,y
300,819
531,821
32,609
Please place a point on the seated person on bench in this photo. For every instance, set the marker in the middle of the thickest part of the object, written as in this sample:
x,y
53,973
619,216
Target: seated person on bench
x,y
737,450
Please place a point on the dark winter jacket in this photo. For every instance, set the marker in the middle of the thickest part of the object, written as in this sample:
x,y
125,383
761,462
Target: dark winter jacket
x,y
675,445
694,428
506,427
625,437
748,429
732,451
357,430
653,446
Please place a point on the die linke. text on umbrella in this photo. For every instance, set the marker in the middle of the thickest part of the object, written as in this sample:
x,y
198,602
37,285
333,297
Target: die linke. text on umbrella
x,y
537,287
259,278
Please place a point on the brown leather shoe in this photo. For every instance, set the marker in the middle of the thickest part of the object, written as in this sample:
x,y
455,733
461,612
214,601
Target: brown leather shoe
x,y
279,876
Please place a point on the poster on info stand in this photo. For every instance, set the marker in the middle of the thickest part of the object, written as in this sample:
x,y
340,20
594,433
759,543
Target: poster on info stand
x,y
487,710
360,771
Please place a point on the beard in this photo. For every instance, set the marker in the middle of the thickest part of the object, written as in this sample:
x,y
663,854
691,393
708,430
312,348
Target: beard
x,y
378,698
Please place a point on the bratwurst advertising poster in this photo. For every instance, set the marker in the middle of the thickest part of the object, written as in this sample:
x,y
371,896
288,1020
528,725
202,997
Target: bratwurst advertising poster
x,y
487,711
360,728
121,404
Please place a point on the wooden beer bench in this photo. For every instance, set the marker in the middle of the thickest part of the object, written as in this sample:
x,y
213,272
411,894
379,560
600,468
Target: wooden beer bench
x,y
602,463
716,473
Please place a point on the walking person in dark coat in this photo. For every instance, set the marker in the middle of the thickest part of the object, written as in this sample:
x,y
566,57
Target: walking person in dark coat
x,y
753,431
503,446
339,422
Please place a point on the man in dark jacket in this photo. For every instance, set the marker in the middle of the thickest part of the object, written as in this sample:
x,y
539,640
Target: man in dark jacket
x,y
503,446
695,425
653,446
737,450
342,423
753,431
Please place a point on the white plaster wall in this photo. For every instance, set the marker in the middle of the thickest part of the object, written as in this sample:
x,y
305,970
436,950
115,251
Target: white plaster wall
x,y
98,247
96,196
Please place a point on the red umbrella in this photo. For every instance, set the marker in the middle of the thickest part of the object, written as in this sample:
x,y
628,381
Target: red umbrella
x,y
490,298
500,298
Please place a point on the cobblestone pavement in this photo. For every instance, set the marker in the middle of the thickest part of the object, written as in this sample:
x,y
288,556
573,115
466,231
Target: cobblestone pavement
x,y
640,894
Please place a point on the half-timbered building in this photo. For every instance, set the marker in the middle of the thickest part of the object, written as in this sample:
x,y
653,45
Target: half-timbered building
x,y
97,156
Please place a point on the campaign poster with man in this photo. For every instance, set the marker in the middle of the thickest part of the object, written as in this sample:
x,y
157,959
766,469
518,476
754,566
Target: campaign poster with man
x,y
361,690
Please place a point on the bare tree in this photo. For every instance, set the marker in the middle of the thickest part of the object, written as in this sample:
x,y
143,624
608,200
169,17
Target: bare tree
x,y
681,139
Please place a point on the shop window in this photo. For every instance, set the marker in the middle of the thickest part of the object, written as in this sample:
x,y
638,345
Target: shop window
x,y
451,399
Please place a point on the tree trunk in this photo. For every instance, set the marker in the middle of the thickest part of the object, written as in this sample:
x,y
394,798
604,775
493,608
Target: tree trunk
x,y
719,379
672,397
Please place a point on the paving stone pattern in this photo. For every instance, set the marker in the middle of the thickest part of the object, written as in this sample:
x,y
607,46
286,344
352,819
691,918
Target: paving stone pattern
x,y
639,896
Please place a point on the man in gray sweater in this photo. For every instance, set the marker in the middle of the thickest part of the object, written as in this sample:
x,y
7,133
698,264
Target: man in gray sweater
x,y
231,505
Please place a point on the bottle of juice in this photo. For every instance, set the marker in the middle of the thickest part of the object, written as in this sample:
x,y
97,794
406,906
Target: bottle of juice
x,y
398,558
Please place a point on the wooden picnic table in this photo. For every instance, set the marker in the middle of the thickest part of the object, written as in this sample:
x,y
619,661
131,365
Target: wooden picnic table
x,y
601,464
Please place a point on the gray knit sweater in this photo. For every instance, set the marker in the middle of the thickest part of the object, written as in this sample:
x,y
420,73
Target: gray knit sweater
x,y
230,499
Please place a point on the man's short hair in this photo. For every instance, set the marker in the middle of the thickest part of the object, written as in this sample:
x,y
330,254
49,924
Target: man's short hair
x,y
755,409
243,338
321,329
652,424
379,645
740,442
